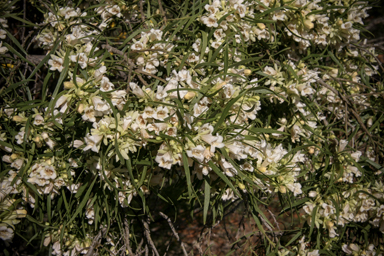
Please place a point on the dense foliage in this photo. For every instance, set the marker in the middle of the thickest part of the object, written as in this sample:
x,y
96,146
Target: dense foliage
x,y
137,111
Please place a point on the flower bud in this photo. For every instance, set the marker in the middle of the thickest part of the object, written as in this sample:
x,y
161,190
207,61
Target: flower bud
x,y
241,186
247,72
369,122
68,85
262,168
189,95
308,24
283,189
80,108
311,150
19,119
329,224
261,25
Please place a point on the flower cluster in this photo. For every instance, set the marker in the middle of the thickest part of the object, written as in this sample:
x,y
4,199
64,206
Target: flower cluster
x,y
221,102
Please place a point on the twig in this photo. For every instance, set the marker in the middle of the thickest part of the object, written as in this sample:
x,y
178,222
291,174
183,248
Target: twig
x,y
126,237
349,81
95,241
377,60
174,232
24,17
365,94
149,74
148,236
352,108
374,22
142,80
274,219
142,14
118,52
162,11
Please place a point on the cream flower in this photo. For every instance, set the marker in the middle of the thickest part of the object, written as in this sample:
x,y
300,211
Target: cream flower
x,y
39,120
161,113
213,141
48,172
106,85
99,104
197,153
80,58
210,21
93,142
56,63
89,114
3,33
6,233
148,112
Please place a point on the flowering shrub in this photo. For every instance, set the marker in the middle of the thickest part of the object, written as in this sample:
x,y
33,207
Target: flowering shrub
x,y
138,107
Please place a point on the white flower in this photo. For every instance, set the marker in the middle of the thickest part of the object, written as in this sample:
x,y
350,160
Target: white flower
x,y
99,104
80,58
106,85
39,120
198,109
48,172
90,214
68,12
197,153
248,167
6,233
114,10
89,114
154,34
228,168
99,73
63,103
18,163
3,49
136,90
164,160
148,112
118,99
295,188
228,195
313,253
20,137
213,141
328,209
209,21
210,8
56,63
2,33
240,9
161,113
137,46
93,142
219,34
279,15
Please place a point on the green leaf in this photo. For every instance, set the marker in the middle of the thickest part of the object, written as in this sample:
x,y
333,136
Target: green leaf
x,y
207,197
223,177
187,174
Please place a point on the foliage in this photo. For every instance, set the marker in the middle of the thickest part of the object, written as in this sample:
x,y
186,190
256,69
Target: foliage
x,y
141,110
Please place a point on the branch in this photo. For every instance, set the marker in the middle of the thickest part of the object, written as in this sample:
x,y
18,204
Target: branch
x,y
352,108
95,242
174,232
126,237
149,239
149,74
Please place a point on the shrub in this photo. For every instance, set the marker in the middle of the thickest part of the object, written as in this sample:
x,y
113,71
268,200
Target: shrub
x,y
136,111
